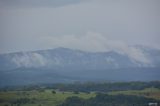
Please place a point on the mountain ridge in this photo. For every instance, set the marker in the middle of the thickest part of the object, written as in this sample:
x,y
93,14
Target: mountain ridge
x,y
67,65
62,55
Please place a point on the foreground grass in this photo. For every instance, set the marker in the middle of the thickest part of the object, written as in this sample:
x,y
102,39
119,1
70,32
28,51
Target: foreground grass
x,y
148,92
45,98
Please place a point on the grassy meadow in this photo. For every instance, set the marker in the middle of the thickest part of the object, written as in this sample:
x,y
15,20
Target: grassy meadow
x,y
38,98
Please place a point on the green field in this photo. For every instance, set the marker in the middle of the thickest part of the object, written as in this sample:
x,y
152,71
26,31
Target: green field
x,y
47,98
148,92
36,98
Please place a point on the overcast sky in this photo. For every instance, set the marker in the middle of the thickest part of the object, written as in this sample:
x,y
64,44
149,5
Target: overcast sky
x,y
92,25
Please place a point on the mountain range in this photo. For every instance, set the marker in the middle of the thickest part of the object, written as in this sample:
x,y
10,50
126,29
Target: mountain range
x,y
64,65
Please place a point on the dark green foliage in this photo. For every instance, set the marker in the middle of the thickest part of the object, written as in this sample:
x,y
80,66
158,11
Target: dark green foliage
x,y
76,92
41,90
73,101
87,92
53,92
108,100
1,100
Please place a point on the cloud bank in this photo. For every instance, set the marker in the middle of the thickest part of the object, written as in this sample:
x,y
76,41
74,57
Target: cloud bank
x,y
27,25
37,3
90,42
96,42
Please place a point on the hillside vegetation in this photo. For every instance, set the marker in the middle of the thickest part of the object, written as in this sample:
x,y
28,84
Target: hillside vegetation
x,y
82,94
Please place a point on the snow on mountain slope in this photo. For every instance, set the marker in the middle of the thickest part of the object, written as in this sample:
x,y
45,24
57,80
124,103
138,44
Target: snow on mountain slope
x,y
68,58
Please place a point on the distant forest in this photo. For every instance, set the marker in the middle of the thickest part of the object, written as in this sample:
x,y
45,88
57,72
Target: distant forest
x,y
90,86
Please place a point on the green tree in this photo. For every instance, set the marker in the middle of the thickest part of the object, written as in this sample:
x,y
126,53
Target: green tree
x,y
53,92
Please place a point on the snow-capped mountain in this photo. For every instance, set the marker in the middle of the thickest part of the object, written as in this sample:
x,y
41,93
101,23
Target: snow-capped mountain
x,y
74,64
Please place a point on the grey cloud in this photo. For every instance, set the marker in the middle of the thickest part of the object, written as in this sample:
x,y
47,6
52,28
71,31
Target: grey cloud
x,y
37,3
130,21
96,42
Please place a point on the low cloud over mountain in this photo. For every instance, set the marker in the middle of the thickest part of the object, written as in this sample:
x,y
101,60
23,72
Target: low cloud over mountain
x,y
72,58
